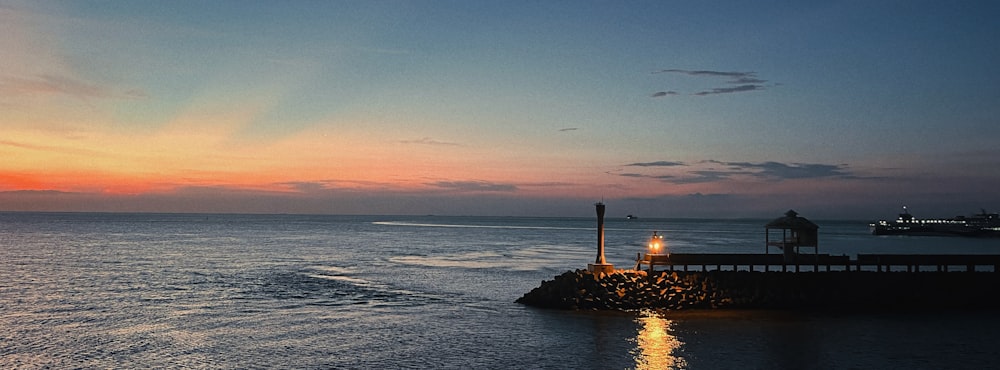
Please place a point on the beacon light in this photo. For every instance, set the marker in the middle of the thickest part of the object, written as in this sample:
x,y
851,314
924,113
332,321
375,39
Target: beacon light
x,y
656,243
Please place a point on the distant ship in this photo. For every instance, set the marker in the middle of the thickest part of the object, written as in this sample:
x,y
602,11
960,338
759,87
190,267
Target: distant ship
x,y
631,217
981,224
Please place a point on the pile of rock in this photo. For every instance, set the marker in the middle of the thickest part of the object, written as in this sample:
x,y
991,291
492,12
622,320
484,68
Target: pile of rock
x,y
856,290
626,290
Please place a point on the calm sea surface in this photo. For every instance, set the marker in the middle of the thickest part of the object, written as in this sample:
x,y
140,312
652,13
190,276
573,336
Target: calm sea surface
x,y
81,290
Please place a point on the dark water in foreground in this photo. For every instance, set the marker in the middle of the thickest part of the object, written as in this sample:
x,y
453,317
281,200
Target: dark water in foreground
x,y
305,292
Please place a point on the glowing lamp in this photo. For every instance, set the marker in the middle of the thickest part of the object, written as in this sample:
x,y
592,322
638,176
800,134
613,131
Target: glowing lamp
x,y
656,244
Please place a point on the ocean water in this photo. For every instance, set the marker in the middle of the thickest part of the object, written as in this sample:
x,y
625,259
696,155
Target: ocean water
x,y
112,291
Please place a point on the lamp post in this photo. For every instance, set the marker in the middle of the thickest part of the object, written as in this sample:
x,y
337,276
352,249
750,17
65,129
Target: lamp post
x,y
600,264
600,234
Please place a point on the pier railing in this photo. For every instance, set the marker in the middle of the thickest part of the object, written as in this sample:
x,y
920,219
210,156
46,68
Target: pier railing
x,y
940,262
820,262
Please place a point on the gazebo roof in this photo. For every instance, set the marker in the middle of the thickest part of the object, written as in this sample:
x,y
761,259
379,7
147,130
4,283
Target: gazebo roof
x,y
791,221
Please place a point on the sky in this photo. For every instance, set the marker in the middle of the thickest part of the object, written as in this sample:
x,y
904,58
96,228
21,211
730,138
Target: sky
x,y
708,109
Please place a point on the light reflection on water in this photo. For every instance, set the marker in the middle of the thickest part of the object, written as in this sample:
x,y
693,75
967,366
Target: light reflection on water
x,y
656,345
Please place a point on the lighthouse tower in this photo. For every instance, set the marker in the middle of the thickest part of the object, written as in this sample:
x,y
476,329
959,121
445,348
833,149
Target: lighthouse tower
x,y
600,264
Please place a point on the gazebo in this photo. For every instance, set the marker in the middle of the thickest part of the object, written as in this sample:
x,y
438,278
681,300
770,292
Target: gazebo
x,y
796,232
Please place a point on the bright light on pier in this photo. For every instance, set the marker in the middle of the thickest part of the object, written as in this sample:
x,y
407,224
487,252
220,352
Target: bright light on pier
x,y
656,244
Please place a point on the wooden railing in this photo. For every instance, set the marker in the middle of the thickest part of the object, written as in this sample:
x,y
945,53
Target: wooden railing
x,y
913,262
878,262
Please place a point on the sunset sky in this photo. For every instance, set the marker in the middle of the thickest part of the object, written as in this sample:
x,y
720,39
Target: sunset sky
x,y
837,109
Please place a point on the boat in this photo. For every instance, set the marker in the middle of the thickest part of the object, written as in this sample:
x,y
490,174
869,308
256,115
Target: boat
x,y
982,224
631,217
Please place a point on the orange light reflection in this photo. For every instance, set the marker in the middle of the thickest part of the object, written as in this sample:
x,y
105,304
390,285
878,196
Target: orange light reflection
x,y
656,348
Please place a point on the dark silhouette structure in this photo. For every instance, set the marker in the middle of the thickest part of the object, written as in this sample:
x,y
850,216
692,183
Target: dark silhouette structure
x,y
600,265
796,232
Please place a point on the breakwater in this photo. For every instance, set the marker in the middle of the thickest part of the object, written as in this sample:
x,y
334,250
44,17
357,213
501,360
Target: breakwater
x,y
843,290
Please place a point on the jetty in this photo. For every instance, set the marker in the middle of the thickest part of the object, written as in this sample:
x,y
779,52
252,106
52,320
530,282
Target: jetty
x,y
789,279
823,262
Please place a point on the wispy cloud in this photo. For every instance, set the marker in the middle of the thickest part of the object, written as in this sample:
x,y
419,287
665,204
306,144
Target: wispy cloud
x,y
703,176
656,164
746,81
568,129
776,170
48,148
428,141
61,85
691,177
308,187
663,93
321,186
706,171
477,186
726,90
36,192
735,75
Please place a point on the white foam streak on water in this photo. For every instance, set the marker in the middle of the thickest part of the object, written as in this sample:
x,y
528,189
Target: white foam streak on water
x,y
526,259
507,227
470,226
338,274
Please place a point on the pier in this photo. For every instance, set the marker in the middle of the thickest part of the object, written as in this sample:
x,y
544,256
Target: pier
x,y
785,280
820,262
797,232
